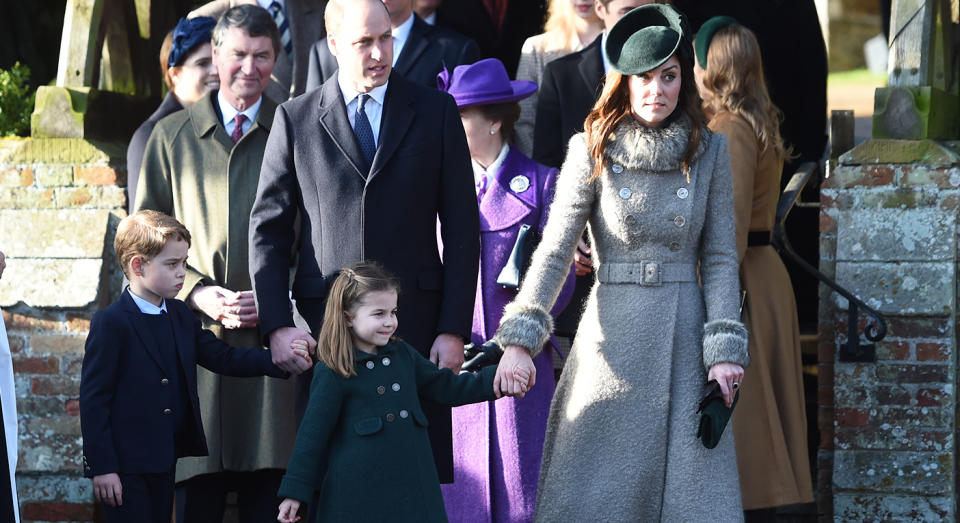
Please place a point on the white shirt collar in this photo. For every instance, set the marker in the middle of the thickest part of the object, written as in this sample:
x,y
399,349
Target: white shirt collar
x,y
230,112
266,4
400,35
350,93
431,18
492,169
603,52
145,306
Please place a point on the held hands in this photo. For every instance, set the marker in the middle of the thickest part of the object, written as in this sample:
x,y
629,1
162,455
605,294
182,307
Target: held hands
x,y
235,310
301,348
447,352
108,490
729,376
516,373
288,511
284,353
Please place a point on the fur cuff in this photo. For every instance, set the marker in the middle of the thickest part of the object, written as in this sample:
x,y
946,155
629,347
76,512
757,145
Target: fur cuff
x,y
528,326
725,341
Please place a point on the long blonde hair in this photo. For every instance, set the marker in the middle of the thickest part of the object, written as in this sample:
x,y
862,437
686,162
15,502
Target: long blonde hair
x,y
561,26
614,105
734,82
335,344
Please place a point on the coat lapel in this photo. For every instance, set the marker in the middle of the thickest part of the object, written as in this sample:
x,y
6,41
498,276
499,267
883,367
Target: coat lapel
x,y
591,67
186,346
150,344
396,119
207,120
415,46
502,207
333,119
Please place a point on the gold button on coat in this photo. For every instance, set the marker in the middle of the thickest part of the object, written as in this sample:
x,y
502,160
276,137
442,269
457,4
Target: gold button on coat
x,y
381,389
390,416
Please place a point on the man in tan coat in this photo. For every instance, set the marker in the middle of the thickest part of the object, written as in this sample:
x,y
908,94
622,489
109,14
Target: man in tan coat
x,y
202,166
304,26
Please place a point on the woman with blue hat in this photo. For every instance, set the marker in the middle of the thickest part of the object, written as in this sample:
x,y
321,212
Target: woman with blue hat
x,y
770,425
497,446
186,61
663,317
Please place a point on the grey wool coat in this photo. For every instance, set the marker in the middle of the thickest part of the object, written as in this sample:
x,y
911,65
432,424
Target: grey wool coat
x,y
621,439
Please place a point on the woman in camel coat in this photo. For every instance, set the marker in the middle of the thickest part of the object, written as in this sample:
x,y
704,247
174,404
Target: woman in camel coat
x,y
656,189
770,422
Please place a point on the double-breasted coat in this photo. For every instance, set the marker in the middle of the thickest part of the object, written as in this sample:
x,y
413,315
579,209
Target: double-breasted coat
x,y
770,421
373,432
194,172
621,439
497,445
387,211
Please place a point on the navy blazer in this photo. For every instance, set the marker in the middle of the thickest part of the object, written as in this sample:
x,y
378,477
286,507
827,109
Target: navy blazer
x,y
126,400
571,85
423,56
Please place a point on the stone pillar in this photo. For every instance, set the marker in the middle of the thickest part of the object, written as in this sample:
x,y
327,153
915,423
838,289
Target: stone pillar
x,y
60,201
889,234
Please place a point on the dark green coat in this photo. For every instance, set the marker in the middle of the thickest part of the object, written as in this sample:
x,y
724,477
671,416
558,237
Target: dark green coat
x,y
380,463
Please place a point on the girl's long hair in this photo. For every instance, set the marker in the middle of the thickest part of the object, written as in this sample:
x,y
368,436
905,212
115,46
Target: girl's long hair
x,y
734,82
614,105
335,344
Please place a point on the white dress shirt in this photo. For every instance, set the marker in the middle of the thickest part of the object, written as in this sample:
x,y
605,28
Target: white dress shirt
x,y
230,113
146,307
373,107
491,171
401,34
431,18
266,5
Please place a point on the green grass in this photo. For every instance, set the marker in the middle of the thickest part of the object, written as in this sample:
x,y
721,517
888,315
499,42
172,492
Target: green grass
x,y
857,77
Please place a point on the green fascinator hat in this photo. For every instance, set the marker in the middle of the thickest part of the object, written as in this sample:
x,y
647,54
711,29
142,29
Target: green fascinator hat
x,y
646,37
705,35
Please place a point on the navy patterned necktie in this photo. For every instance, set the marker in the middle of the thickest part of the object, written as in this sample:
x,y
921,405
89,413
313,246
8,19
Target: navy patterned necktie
x,y
361,127
283,26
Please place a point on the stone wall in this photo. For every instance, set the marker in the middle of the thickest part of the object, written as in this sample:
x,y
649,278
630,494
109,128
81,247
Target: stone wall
x,y
60,200
889,234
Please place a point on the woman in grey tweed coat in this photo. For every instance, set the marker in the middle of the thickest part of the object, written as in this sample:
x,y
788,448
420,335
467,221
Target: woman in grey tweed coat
x,y
655,187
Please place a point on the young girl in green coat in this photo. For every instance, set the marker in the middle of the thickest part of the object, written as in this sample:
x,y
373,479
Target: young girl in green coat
x,y
364,414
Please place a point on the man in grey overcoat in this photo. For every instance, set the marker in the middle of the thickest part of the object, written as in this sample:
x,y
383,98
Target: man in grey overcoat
x,y
201,166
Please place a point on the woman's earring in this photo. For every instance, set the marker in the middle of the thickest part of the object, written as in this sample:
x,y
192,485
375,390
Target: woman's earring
x,y
492,132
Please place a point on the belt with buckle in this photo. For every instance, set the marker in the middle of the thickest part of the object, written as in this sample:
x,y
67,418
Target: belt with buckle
x,y
647,273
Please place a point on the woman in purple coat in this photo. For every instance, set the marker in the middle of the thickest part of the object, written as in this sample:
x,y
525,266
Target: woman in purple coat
x,y
497,447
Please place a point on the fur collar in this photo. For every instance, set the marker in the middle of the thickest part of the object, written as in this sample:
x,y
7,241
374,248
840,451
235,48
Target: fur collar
x,y
636,146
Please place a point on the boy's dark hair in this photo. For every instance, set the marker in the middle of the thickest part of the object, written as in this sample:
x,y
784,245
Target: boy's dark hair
x,y
253,20
146,233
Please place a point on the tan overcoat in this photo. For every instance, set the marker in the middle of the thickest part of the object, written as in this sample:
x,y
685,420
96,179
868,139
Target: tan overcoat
x,y
194,172
770,424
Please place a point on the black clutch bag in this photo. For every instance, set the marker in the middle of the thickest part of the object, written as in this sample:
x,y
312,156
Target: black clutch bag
x,y
714,415
476,357
512,273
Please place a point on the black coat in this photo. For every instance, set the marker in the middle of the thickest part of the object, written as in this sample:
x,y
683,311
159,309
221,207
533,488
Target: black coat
x,y
570,86
424,54
348,212
138,144
524,18
124,388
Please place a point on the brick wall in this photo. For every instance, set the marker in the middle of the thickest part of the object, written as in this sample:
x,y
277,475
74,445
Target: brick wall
x,y
888,233
60,200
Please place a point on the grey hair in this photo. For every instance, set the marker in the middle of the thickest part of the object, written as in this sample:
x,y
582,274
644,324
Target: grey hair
x,y
253,20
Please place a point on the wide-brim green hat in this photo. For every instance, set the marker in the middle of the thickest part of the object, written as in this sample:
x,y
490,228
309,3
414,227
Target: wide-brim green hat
x,y
646,37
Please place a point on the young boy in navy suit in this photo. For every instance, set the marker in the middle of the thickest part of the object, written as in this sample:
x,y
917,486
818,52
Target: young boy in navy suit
x,y
139,410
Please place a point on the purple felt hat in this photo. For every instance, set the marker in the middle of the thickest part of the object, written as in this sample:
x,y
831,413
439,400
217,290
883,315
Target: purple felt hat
x,y
484,82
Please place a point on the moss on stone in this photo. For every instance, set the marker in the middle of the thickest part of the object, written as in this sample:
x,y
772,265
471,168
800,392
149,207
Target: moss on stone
x,y
886,151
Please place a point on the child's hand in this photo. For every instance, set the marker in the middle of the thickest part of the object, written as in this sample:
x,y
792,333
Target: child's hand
x,y
108,490
522,376
302,349
288,511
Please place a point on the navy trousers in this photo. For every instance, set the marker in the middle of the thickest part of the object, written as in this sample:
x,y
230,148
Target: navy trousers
x,y
147,498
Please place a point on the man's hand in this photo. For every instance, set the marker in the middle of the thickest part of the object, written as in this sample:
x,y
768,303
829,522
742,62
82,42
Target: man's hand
x,y
108,490
516,361
282,353
235,310
288,511
582,260
447,352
